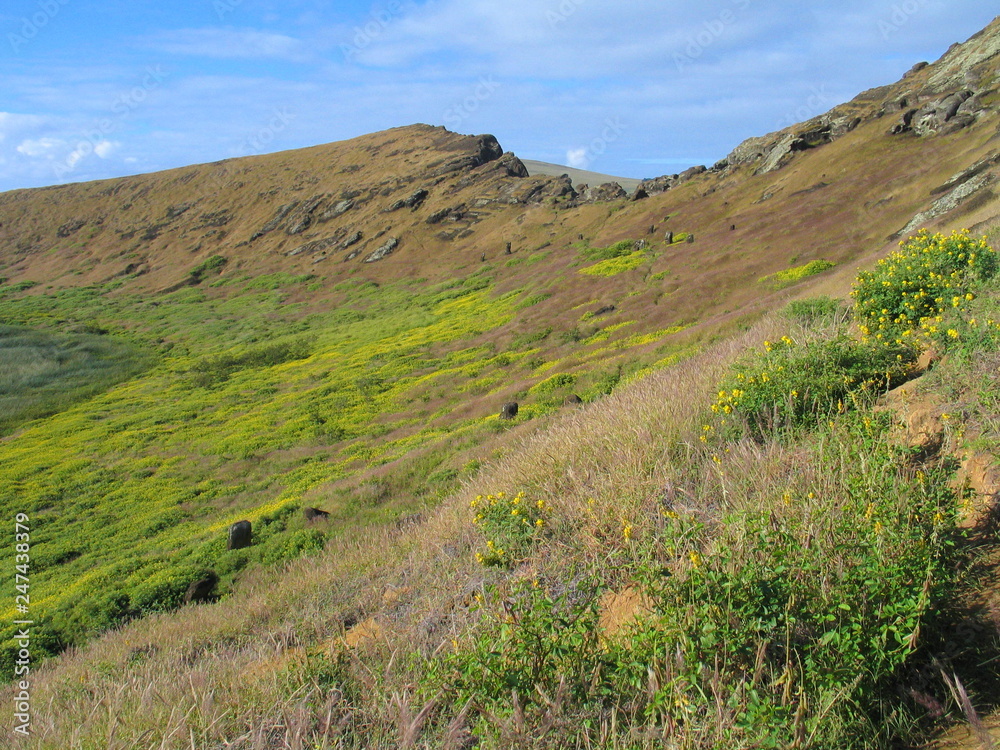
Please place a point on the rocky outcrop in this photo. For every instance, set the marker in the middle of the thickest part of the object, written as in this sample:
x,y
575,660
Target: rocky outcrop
x,y
311,248
383,251
412,202
70,227
609,191
666,182
771,152
485,148
455,213
334,211
956,191
941,115
302,219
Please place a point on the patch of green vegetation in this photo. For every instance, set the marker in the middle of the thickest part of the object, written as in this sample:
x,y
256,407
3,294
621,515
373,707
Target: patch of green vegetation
x,y
532,300
21,286
793,611
43,373
616,265
526,340
793,384
616,250
790,276
211,265
907,295
553,383
801,607
255,406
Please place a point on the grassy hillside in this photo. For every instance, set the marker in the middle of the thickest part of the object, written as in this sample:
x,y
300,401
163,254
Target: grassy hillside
x,y
253,405
766,575
735,507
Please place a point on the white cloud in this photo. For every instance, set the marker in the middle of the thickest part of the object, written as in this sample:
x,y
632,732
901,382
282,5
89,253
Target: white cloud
x,y
104,149
36,147
577,158
230,44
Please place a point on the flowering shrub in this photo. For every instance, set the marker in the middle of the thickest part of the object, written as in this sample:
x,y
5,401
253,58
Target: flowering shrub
x,y
509,524
908,295
792,383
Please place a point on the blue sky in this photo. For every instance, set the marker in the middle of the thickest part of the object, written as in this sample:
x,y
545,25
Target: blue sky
x,y
638,88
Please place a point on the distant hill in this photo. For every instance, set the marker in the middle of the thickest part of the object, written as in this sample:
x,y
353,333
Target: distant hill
x,y
579,176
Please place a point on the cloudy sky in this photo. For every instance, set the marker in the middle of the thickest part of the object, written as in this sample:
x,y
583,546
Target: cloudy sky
x,y
92,89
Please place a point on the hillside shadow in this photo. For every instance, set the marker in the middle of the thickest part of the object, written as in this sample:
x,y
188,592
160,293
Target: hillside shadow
x,y
957,675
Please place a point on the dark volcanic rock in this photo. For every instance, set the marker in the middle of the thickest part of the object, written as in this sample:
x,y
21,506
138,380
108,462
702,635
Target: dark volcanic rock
x,y
508,410
202,590
240,535
315,514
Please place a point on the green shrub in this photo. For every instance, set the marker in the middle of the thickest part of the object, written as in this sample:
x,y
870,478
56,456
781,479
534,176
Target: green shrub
x,y
795,617
211,265
618,249
542,640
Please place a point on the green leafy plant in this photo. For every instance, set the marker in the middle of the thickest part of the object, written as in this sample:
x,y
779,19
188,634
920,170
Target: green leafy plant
x,y
509,524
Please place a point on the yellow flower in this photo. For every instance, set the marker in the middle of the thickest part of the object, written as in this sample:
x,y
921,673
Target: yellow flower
x,y
695,558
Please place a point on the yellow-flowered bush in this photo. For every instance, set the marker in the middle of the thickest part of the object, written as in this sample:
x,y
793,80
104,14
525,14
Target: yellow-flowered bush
x,y
510,524
910,296
791,383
